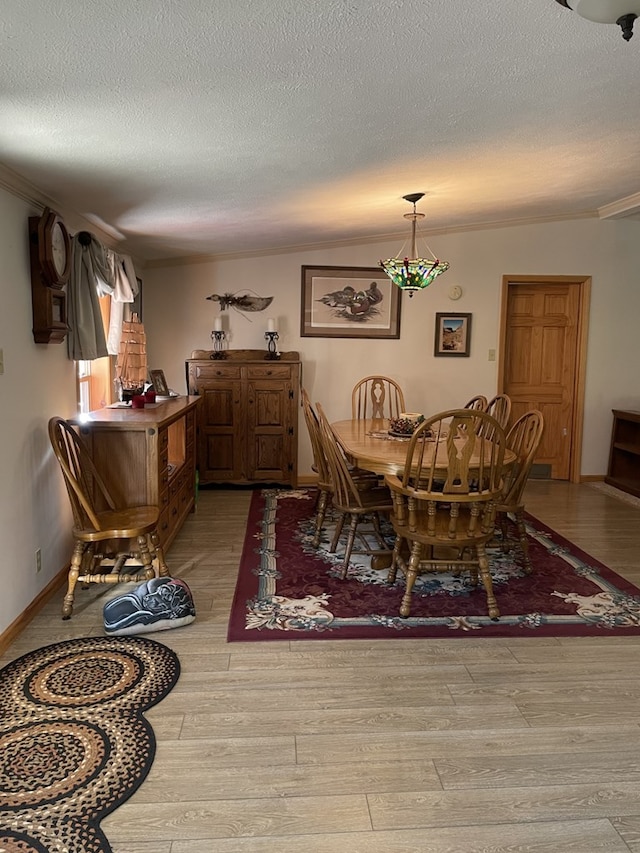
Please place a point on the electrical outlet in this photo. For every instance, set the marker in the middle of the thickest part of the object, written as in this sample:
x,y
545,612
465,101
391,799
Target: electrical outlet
x,y
38,560
492,355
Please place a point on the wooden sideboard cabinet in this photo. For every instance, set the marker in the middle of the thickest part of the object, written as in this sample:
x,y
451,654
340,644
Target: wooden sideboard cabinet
x,y
148,456
248,419
624,454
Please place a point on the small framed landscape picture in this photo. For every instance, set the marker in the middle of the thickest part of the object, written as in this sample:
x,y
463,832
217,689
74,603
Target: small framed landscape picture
x,y
159,383
453,334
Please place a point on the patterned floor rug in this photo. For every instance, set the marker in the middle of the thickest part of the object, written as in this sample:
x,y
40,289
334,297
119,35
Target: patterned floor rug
x,y
287,589
73,742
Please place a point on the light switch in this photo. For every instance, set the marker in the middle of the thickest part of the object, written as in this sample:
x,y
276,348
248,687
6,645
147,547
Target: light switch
x,y
492,355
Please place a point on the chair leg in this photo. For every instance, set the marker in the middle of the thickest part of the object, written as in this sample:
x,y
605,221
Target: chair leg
x,y
485,574
74,572
145,557
163,569
321,511
412,573
377,529
524,540
393,569
337,534
351,536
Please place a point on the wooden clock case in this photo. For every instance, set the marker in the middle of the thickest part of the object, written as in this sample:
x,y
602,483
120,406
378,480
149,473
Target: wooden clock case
x,y
50,256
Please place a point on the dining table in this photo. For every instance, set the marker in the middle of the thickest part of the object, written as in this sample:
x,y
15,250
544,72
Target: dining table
x,y
369,444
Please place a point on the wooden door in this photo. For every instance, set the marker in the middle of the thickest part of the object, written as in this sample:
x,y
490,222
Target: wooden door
x,y
544,332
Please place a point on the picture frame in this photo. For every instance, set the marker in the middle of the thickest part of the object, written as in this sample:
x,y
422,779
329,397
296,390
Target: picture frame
x,y
348,302
453,335
159,382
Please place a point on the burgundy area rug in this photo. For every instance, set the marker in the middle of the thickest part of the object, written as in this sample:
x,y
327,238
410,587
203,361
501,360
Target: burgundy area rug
x,y
287,589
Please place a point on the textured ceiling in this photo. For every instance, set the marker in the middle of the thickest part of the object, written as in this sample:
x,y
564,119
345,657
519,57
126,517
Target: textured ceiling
x,y
222,126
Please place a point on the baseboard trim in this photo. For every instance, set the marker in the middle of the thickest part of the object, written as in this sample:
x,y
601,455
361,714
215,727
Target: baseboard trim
x,y
20,623
307,480
592,478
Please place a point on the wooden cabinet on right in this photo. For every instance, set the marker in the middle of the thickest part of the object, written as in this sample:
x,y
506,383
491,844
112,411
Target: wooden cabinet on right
x,y
624,455
248,418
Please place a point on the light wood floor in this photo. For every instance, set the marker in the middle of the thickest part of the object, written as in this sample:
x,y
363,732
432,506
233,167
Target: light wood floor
x,y
430,746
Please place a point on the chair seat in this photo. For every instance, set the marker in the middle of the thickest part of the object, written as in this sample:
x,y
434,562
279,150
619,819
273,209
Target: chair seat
x,y
121,524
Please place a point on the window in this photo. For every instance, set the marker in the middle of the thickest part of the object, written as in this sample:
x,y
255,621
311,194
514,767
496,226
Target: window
x,y
94,379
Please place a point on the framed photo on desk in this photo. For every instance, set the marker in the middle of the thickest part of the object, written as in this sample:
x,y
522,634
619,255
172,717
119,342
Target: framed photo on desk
x,y
159,383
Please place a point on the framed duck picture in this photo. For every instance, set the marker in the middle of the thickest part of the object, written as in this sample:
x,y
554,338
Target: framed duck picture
x,y
349,302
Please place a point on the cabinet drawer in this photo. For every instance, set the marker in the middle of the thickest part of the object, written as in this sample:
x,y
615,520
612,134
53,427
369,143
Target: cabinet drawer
x,y
268,371
201,373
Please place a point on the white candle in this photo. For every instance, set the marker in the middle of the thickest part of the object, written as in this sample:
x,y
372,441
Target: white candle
x,y
217,324
271,325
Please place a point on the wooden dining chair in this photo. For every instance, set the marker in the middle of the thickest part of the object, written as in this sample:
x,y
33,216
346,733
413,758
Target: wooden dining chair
x,y
479,402
108,540
500,408
359,500
523,439
376,397
320,465
444,503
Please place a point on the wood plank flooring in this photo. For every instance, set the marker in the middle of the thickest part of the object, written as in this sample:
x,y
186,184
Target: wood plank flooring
x,y
391,746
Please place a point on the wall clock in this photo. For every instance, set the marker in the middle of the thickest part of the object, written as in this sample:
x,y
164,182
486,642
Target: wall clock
x,y
50,256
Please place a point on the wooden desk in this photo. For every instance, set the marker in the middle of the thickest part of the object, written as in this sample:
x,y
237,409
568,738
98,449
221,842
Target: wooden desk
x,y
147,456
385,455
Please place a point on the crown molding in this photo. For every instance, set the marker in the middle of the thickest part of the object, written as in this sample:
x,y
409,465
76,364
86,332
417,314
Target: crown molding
x,y
628,206
18,186
187,260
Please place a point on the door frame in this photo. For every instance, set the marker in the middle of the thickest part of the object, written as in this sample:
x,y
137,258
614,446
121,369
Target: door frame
x,y
577,419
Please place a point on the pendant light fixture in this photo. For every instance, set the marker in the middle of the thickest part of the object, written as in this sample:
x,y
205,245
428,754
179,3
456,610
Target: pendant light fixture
x,y
621,12
413,273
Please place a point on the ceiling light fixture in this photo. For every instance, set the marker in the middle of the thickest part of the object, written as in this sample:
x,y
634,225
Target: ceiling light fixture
x,y
413,273
621,12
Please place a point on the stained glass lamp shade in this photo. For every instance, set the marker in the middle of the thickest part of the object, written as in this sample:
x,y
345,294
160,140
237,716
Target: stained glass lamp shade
x,y
413,273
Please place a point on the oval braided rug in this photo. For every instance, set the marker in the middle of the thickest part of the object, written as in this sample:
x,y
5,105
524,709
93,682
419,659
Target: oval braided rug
x,y
73,742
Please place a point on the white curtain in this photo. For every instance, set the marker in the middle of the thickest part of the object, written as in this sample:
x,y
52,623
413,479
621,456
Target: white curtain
x,y
125,289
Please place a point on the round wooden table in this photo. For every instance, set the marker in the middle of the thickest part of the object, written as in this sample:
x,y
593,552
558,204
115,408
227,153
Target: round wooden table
x,y
369,445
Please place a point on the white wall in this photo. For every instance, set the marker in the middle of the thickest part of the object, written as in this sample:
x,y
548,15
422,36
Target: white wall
x,y
178,318
38,382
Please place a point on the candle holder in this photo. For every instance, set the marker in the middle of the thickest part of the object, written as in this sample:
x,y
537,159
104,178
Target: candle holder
x,y
272,352
218,338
